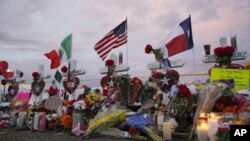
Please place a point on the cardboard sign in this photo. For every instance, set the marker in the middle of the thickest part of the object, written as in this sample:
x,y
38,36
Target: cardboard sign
x,y
240,77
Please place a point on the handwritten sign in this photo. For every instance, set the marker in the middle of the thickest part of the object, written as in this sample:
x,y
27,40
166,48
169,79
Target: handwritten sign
x,y
240,77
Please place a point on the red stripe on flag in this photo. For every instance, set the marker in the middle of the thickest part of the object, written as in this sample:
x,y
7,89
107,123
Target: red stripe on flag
x,y
122,40
177,45
105,40
114,39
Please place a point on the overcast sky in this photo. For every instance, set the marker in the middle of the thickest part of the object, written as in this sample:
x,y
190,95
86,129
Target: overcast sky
x,y
30,28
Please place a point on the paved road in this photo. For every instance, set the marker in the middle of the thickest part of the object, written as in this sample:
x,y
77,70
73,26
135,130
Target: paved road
x,y
11,135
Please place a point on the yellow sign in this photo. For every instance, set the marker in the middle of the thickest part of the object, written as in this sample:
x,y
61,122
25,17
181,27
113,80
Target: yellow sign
x,y
240,77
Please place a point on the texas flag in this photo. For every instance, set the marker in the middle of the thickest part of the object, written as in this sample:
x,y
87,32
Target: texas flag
x,y
179,40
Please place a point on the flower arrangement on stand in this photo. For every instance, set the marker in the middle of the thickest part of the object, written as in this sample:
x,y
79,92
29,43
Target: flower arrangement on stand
x,y
183,107
110,64
52,121
86,109
224,55
157,52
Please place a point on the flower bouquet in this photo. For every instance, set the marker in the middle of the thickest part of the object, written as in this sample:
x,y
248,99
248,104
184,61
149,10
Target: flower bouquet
x,y
223,131
157,52
106,121
183,107
224,55
142,124
86,109
110,64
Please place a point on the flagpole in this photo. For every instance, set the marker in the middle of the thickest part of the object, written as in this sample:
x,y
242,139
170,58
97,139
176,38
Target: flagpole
x,y
194,65
127,43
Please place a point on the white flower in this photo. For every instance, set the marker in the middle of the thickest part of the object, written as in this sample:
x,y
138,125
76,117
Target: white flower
x,y
80,105
48,117
83,104
77,105
54,115
173,122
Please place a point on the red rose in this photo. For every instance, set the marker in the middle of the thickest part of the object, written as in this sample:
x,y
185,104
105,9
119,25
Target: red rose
x,y
52,90
109,63
173,74
64,69
148,48
229,50
223,129
219,51
35,74
21,74
137,80
157,75
88,103
183,90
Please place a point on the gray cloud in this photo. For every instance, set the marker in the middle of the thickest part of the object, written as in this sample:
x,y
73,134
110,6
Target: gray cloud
x,y
8,39
10,42
40,26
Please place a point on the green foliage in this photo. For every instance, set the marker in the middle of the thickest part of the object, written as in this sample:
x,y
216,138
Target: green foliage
x,y
124,85
147,93
222,135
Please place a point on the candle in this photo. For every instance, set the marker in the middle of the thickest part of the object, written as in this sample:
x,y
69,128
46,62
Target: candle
x,y
167,130
160,119
212,115
202,130
202,115
212,128
36,121
42,121
20,122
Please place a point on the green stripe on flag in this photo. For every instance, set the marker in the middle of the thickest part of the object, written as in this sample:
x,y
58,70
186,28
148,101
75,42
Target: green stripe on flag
x,y
58,76
67,45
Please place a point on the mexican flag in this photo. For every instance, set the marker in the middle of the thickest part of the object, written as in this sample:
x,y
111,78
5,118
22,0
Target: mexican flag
x,y
65,51
62,55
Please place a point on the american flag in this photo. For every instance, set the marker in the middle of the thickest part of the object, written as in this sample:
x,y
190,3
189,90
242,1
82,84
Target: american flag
x,y
114,39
